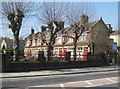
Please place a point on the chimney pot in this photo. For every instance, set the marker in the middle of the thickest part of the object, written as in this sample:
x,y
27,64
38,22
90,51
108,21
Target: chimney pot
x,y
32,31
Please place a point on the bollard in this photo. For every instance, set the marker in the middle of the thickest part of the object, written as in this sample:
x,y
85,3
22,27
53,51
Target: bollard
x,y
68,54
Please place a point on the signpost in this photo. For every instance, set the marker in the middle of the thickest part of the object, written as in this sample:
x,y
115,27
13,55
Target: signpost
x,y
114,47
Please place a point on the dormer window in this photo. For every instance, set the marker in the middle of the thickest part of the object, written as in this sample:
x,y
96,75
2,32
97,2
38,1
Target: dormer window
x,y
33,43
39,42
70,40
59,40
83,37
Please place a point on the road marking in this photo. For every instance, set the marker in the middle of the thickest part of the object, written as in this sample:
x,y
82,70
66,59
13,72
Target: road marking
x,y
101,84
62,86
73,82
37,86
89,83
110,80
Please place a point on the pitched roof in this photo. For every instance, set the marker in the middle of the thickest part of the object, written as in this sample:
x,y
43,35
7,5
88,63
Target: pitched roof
x,y
87,26
29,37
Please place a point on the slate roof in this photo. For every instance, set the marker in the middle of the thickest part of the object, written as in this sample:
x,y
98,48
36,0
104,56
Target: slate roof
x,y
87,26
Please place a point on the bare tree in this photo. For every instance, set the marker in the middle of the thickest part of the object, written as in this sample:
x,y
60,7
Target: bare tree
x,y
77,25
15,12
52,15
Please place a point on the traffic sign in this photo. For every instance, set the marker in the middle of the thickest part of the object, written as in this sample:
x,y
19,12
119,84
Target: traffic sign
x,y
114,46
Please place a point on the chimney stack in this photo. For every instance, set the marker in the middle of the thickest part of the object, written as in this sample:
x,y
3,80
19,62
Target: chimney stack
x,y
32,31
109,27
84,19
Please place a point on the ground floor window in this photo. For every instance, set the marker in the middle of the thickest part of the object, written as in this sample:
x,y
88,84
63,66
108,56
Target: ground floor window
x,y
56,54
80,53
85,48
71,50
32,53
37,53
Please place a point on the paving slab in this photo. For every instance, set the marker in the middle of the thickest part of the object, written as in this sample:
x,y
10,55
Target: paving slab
x,y
58,72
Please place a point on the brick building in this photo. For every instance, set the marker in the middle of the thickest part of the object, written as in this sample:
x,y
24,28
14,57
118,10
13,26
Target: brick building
x,y
96,35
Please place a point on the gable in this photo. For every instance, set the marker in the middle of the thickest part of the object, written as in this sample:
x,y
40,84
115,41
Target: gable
x,y
101,23
3,44
100,33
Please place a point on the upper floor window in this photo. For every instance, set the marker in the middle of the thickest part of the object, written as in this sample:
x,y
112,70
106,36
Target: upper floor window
x,y
39,42
70,40
33,42
83,37
59,40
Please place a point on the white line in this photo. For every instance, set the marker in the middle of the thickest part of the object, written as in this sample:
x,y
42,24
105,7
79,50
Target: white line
x,y
101,84
37,86
89,83
62,86
110,80
73,82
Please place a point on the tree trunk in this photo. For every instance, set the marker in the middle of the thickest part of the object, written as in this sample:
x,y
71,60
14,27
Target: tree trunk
x,y
16,47
48,52
75,51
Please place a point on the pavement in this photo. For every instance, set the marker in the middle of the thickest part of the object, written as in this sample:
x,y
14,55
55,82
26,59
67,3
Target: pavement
x,y
59,72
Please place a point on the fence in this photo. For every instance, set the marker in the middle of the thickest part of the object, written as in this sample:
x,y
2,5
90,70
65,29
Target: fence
x,y
8,65
93,60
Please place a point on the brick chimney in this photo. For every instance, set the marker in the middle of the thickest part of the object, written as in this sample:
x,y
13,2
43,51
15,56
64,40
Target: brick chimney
x,y
32,31
84,19
109,27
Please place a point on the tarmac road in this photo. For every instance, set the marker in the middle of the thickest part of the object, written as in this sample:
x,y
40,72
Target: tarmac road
x,y
24,82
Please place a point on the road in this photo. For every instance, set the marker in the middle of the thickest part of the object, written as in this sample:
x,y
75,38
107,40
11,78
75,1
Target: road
x,y
71,80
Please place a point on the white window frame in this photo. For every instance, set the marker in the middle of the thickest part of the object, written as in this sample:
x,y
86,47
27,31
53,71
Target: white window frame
x,y
59,40
83,36
39,42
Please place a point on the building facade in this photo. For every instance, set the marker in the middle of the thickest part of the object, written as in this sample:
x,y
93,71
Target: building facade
x,y
95,39
116,38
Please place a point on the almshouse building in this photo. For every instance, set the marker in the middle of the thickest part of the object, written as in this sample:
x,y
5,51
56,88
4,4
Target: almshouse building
x,y
95,39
